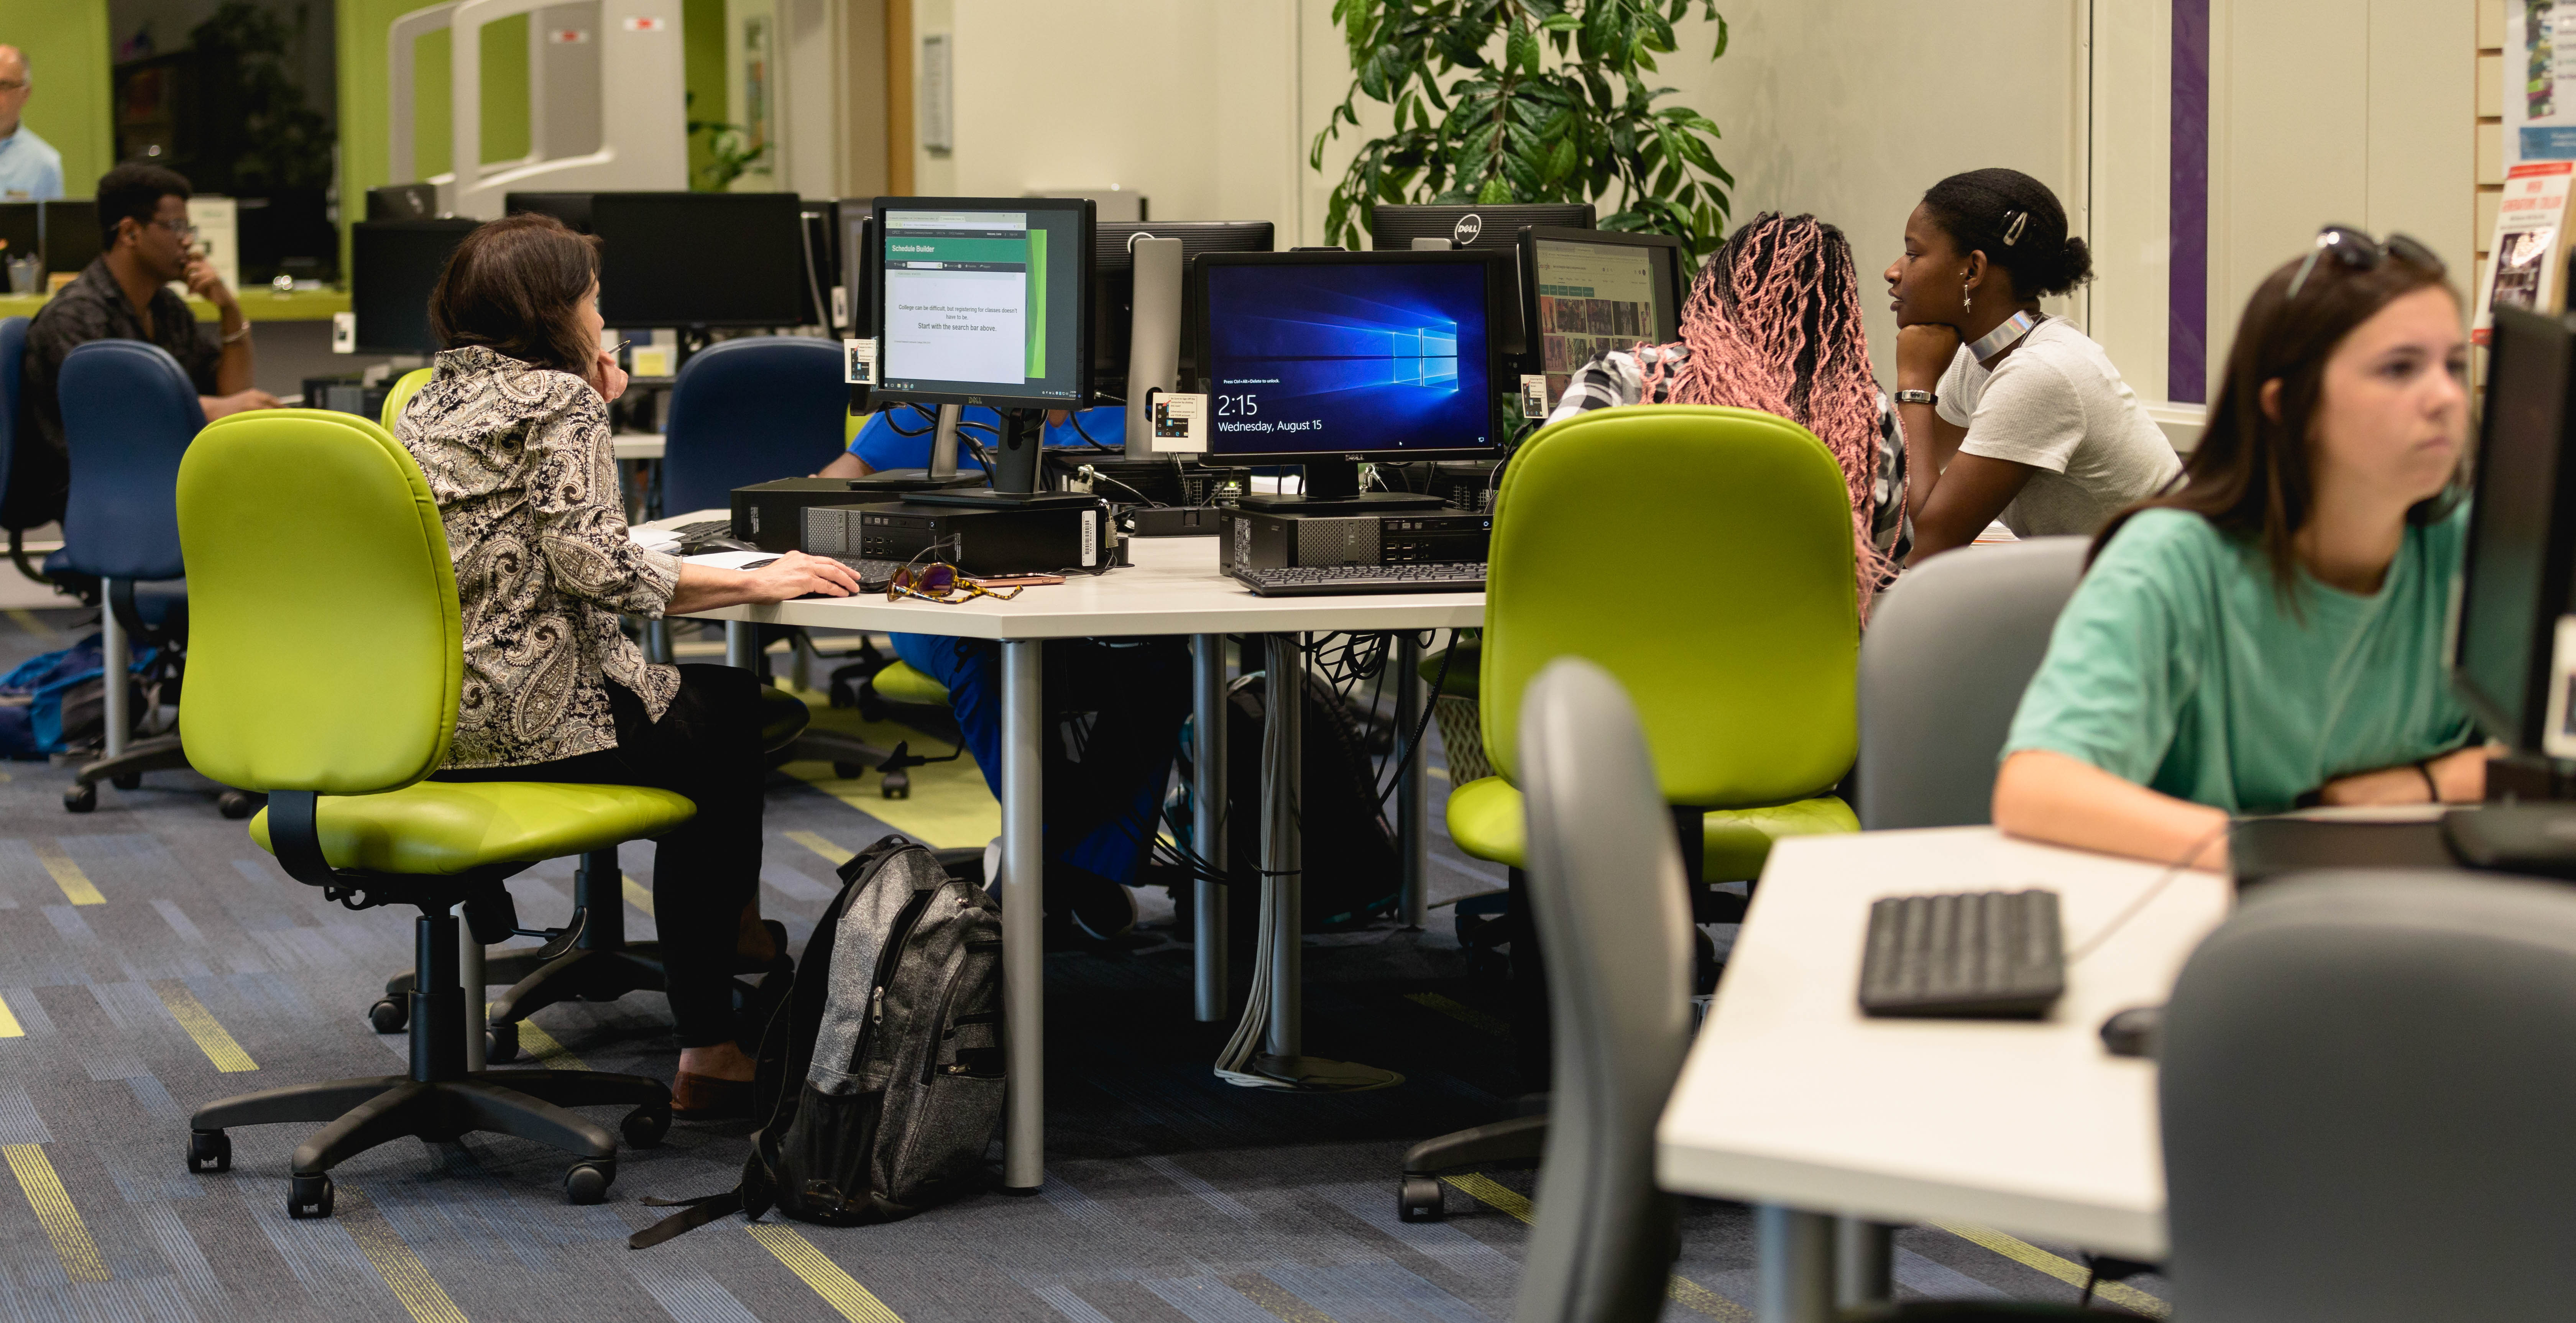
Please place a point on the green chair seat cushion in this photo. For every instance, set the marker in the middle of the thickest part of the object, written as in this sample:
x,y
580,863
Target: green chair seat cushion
x,y
441,828
1486,820
900,683
783,717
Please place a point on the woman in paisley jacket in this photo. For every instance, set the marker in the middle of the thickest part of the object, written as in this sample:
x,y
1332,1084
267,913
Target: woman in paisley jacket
x,y
512,431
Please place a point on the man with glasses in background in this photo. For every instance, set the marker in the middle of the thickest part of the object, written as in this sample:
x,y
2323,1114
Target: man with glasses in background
x,y
30,169
126,295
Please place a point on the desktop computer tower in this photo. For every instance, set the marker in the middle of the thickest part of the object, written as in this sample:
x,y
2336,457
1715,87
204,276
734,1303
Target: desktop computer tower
x,y
1260,540
1038,540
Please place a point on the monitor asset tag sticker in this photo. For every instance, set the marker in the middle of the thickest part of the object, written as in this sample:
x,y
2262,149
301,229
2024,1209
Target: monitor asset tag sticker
x,y
859,359
1533,395
344,332
1180,423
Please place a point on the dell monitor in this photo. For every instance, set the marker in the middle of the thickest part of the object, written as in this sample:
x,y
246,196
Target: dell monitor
x,y
1495,228
1325,359
572,209
1586,291
1113,272
406,202
393,268
700,259
2520,562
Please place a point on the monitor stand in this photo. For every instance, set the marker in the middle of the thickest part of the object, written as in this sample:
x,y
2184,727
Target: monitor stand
x,y
1015,472
1333,488
942,473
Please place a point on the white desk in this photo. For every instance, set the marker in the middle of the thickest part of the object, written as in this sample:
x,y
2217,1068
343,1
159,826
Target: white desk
x,y
1173,588
635,445
1792,1098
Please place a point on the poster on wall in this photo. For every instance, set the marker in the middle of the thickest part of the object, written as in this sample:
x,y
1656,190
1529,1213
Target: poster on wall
x,y
2529,243
2540,66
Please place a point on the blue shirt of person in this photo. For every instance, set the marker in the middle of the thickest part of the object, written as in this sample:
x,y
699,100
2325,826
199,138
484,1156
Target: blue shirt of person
x,y
881,446
30,169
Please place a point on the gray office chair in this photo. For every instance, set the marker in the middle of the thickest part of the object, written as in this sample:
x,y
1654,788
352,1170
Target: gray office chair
x,y
1614,925
2364,1083
1948,651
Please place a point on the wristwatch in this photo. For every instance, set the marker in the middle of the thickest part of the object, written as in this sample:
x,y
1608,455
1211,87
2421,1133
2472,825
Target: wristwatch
x,y
1917,397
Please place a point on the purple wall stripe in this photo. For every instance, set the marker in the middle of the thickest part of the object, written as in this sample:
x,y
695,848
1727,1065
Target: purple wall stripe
x,y
2187,271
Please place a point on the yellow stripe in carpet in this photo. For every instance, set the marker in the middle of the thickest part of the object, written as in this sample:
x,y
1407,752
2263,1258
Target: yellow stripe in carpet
x,y
2064,1270
202,1026
1466,1015
68,876
31,622
1684,1292
1282,1303
637,896
839,1289
832,854
534,1041
9,1026
54,1211
405,1275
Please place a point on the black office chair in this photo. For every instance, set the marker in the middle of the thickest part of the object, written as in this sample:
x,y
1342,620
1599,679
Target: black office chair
x,y
2364,1081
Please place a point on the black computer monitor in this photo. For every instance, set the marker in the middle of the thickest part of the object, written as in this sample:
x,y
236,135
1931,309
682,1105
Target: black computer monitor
x,y
859,266
1398,224
820,254
2521,559
572,209
408,202
1328,358
985,301
393,268
1584,291
700,259
71,234
1113,277
19,229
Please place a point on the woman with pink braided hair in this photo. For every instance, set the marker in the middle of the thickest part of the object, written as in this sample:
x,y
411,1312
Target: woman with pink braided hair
x,y
1773,323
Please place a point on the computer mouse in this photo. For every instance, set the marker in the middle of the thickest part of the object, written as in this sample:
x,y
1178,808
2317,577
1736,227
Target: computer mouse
x,y
2133,1032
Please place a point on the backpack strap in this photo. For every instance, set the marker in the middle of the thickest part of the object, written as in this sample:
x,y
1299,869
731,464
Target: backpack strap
x,y
754,1196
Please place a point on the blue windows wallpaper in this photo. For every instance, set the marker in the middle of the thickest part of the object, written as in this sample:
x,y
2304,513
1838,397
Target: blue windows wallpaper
x,y
1353,358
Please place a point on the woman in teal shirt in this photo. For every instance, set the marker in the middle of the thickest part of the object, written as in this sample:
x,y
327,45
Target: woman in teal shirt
x,y
2271,634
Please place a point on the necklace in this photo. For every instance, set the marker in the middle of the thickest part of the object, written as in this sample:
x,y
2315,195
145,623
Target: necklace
x,y
1994,342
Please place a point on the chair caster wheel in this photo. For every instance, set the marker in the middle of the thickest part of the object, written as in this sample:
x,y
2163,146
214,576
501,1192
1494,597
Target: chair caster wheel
x,y
128,781
849,771
309,1196
587,1182
209,1152
81,798
1419,1200
237,804
645,1126
501,1042
390,1015
895,786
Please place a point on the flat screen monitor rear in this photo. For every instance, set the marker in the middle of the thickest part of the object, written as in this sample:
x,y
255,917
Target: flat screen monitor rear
x,y
572,209
1586,291
1113,276
700,259
1497,227
394,266
72,238
2522,531
1316,355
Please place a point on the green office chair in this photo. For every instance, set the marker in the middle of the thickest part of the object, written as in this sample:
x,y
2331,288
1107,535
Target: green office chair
x,y
325,672
404,388
1703,557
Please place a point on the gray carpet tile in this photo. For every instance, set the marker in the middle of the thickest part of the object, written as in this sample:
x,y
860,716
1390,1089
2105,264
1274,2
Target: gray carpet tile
x,y
152,959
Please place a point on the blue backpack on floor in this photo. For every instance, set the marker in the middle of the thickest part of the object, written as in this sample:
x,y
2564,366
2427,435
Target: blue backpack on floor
x,y
65,700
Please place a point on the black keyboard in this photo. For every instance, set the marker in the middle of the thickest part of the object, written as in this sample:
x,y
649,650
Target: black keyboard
x,y
704,528
1987,954
1334,580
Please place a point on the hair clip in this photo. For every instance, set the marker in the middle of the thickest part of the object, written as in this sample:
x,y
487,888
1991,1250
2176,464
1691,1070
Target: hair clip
x,y
2013,226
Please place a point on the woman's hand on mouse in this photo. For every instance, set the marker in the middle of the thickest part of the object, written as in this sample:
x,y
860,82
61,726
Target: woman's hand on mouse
x,y
796,574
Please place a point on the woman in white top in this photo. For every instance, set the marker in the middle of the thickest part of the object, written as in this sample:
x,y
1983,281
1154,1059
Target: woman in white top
x,y
2009,413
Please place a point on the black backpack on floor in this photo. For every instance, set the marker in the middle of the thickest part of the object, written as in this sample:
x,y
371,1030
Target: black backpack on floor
x,y
881,1075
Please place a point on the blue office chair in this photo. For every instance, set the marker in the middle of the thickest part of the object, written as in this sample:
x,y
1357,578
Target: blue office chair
x,y
129,412
755,410
13,421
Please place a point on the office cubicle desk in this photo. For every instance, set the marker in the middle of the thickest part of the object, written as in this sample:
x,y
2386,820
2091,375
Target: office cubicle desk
x,y
1792,1098
1173,588
258,305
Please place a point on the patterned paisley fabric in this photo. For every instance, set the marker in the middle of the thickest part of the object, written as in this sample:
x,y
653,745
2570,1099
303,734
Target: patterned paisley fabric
x,y
518,458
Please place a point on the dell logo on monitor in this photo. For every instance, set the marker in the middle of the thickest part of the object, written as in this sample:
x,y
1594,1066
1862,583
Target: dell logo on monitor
x,y
1463,234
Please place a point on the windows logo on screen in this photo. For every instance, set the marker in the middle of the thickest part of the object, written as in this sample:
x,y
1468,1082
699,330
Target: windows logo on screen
x,y
1427,356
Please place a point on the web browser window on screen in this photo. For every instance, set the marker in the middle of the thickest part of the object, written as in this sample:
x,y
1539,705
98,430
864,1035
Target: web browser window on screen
x,y
1591,298
966,298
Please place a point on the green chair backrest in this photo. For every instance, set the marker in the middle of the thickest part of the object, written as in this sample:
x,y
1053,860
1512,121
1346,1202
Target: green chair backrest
x,y
324,649
1703,556
408,386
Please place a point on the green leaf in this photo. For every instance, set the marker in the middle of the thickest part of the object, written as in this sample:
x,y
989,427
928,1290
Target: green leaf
x,y
1495,190
1560,160
1721,37
1561,22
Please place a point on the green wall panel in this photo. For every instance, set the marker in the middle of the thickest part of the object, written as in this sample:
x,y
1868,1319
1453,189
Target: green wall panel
x,y
67,49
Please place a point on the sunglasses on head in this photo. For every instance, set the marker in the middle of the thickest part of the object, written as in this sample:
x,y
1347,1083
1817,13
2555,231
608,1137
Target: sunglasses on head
x,y
2355,250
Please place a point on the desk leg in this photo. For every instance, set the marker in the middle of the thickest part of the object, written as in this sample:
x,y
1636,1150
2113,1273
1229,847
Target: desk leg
x,y
1023,890
1794,1255
1410,783
742,644
1207,823
116,658
1281,849
657,641
1864,1262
